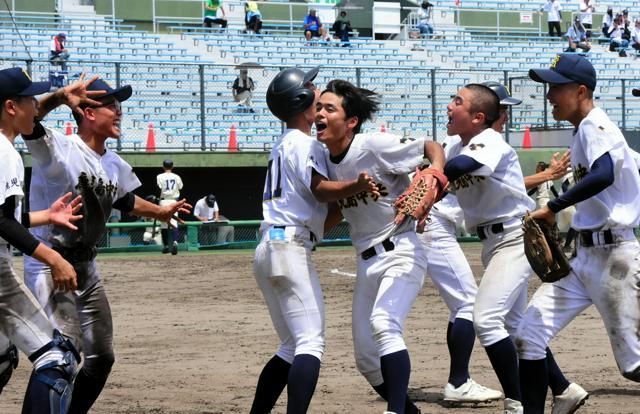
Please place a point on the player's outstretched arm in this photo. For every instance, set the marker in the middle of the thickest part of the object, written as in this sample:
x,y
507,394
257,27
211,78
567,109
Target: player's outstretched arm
x,y
72,95
557,169
434,152
62,212
334,216
163,213
326,191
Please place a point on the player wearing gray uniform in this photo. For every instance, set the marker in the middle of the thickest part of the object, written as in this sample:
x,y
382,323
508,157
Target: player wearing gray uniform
x,y
82,164
294,215
21,318
606,271
391,260
170,185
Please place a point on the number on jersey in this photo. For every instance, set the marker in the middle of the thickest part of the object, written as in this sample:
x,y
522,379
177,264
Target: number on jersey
x,y
270,194
170,184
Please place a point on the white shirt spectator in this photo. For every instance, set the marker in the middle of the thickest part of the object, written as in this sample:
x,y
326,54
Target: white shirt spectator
x,y
586,11
203,210
553,9
635,35
424,15
616,32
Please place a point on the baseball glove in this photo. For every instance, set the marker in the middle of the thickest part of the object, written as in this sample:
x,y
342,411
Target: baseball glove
x,y
543,248
426,188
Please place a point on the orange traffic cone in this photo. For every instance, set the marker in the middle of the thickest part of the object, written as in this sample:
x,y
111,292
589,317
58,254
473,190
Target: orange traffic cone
x,y
383,128
69,129
233,142
526,141
151,139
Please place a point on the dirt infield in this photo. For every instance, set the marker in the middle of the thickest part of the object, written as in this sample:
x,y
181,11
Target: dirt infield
x,y
192,334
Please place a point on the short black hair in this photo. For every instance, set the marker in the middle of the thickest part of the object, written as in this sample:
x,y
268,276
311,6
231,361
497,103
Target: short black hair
x,y
358,102
4,99
485,101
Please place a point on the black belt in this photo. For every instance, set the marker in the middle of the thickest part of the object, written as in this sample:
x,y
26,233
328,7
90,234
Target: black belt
x,y
312,237
76,255
495,228
371,251
586,237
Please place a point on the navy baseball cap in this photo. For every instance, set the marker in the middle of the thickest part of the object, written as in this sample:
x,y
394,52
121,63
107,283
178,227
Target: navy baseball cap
x,y
63,35
635,92
501,92
168,163
567,68
17,82
121,94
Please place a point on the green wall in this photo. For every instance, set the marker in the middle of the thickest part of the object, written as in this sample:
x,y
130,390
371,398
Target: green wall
x,y
478,18
44,6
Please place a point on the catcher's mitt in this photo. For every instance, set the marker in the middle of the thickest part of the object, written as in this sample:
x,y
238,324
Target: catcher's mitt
x,y
543,248
426,188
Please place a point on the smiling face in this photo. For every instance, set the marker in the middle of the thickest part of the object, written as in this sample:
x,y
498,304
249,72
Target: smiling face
x,y
104,120
333,127
20,112
564,100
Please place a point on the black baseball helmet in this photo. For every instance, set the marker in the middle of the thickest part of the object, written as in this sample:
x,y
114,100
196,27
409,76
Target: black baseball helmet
x,y
287,95
635,92
167,163
503,93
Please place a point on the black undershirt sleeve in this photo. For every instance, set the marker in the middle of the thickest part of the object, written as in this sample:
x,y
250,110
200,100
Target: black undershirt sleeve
x,y
12,231
126,203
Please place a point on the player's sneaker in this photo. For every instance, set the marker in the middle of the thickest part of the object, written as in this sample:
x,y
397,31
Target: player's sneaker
x,y
471,392
174,248
570,400
165,250
512,406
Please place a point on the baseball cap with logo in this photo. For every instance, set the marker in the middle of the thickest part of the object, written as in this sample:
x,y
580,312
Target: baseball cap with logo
x,y
17,82
567,68
121,94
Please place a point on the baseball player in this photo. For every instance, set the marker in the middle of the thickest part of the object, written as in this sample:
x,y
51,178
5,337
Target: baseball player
x,y
488,182
296,188
22,320
170,185
391,260
82,164
606,271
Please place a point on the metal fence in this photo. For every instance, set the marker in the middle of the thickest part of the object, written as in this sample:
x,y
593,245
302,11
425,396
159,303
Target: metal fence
x,y
190,106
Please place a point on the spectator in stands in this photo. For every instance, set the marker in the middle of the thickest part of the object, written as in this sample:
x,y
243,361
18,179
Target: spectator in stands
x,y
242,90
635,36
577,36
424,18
607,21
587,7
58,54
211,8
554,16
341,28
313,27
252,17
616,40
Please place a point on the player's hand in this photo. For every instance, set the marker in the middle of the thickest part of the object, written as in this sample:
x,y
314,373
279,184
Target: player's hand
x,y
558,168
76,94
63,275
170,211
544,213
366,182
62,212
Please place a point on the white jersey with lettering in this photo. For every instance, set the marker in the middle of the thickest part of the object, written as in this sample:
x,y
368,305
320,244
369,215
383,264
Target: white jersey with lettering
x,y
617,205
58,163
11,175
495,192
170,185
388,159
287,199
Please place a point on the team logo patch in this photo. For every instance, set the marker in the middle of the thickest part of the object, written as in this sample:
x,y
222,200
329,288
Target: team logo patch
x,y
361,197
579,172
474,147
555,61
26,74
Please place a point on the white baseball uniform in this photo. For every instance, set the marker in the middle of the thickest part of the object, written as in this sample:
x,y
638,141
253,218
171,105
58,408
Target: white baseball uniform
x,y
447,264
283,267
170,185
606,271
391,260
64,164
22,320
494,200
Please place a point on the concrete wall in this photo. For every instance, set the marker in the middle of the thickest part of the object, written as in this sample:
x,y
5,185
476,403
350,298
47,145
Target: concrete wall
x,y
44,6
